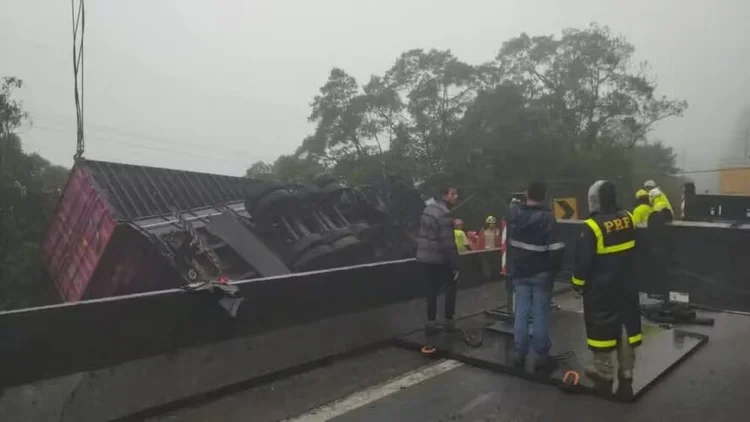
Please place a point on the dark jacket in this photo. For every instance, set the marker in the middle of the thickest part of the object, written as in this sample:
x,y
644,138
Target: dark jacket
x,y
603,271
533,245
435,242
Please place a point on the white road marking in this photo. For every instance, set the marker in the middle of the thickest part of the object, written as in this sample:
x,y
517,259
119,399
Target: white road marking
x,y
369,395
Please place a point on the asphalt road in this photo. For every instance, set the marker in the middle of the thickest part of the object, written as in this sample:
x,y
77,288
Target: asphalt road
x,y
712,385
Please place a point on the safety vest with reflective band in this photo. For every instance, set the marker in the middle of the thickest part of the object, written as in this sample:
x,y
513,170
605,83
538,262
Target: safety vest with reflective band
x,y
641,213
612,236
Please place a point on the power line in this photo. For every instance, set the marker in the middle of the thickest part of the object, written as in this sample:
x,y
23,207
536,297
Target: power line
x,y
143,135
171,151
79,22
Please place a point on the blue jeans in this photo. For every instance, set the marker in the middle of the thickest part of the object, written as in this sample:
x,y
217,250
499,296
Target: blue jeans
x,y
532,299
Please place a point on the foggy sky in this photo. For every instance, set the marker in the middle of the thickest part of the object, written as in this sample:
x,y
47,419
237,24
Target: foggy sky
x,y
215,86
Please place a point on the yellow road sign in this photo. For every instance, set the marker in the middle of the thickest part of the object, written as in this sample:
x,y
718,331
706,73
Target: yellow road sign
x,y
566,208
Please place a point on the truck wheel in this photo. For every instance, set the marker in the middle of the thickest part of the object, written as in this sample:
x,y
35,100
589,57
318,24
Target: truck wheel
x,y
313,259
303,245
271,204
335,235
344,243
257,193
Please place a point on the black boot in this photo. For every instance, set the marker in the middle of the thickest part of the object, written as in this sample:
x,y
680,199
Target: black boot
x,y
624,391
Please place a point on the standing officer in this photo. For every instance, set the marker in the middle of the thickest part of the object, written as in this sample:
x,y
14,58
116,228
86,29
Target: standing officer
x,y
602,273
642,208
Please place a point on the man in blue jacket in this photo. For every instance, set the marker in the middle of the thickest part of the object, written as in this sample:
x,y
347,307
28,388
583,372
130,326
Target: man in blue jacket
x,y
438,256
534,257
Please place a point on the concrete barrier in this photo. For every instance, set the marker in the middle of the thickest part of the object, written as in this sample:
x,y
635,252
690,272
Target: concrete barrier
x,y
106,359
709,261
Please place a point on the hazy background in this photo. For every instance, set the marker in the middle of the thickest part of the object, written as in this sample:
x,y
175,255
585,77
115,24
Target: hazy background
x,y
216,86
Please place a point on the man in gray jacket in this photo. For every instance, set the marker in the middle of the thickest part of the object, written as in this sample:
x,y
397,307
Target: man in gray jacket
x,y
438,256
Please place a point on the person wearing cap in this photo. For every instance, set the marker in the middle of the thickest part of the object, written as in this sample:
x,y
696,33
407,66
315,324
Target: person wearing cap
x,y
603,275
462,242
659,201
642,208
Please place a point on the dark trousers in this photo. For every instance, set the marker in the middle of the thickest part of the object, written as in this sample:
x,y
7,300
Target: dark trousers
x,y
437,276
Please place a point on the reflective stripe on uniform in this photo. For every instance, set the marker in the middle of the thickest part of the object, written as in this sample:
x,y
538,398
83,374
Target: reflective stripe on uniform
x,y
604,250
601,344
536,248
608,344
578,281
555,246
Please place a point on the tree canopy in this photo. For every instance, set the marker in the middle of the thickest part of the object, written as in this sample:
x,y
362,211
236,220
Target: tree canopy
x,y
560,108
29,189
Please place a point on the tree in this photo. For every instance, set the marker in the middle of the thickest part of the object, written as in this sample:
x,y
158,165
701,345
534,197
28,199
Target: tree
x,y
587,78
434,90
12,114
569,109
287,168
259,170
290,168
29,189
339,112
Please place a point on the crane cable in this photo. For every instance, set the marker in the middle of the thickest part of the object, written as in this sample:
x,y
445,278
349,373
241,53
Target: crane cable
x,y
79,24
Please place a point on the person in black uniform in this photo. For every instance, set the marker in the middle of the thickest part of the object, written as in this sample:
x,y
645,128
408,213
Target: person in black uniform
x,y
602,273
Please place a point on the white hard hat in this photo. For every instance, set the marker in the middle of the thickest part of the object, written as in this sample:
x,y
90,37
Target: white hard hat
x,y
653,193
649,184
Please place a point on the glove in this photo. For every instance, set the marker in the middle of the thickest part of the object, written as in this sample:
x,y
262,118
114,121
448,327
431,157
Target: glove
x,y
455,275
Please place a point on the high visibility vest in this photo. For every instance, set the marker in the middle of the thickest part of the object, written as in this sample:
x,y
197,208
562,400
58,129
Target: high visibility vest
x,y
641,213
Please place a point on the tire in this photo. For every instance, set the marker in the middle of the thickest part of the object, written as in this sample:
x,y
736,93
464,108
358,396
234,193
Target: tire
x,y
252,201
358,228
312,259
270,203
344,243
335,235
303,245
351,251
331,193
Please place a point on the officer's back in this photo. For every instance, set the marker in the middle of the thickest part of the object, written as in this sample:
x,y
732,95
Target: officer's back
x,y
612,238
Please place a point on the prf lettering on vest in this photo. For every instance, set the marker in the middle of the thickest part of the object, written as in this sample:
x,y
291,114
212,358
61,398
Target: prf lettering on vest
x,y
617,224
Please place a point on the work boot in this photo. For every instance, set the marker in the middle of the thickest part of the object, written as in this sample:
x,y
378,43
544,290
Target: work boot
x,y
450,325
624,391
545,363
596,375
431,328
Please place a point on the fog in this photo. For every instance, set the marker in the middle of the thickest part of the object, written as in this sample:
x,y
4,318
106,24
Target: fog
x,y
215,86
